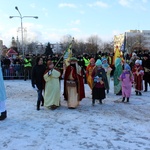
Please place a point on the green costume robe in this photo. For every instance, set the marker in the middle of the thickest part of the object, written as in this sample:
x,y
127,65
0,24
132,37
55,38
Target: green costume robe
x,y
117,73
52,89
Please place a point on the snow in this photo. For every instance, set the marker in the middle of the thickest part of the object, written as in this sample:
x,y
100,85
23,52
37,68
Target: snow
x,y
112,125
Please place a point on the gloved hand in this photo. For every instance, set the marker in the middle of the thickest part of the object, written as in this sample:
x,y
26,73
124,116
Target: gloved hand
x,y
35,87
49,72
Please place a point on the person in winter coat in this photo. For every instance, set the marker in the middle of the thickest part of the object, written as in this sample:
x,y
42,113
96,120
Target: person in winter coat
x,y
52,86
3,112
37,80
126,81
146,66
100,83
138,73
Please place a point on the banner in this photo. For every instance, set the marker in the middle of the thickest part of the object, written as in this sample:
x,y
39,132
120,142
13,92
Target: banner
x,y
116,54
68,54
123,46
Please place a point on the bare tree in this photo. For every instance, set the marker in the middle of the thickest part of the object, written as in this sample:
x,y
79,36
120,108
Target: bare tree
x,y
65,41
135,43
93,44
108,47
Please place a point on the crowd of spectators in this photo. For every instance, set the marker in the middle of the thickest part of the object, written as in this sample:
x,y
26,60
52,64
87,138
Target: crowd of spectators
x,y
13,67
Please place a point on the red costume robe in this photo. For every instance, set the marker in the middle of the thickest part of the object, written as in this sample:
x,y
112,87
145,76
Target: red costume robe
x,y
138,73
74,75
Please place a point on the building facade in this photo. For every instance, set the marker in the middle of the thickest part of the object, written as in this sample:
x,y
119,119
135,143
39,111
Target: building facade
x,y
135,40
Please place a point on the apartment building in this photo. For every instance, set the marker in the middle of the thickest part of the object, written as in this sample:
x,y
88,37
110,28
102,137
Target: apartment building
x,y
135,40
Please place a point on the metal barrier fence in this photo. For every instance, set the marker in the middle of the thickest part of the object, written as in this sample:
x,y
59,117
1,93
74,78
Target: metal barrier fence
x,y
13,71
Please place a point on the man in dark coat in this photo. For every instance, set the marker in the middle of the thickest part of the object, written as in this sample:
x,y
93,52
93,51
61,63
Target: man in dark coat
x,y
146,66
37,80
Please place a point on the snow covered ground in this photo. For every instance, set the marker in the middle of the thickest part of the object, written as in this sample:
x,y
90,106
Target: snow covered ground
x,y
112,125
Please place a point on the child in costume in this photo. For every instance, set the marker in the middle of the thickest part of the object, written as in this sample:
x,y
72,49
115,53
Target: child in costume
x,y
89,70
127,79
138,72
100,83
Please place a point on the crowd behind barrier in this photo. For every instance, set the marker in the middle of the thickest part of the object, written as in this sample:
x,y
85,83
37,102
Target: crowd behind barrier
x,y
14,68
14,71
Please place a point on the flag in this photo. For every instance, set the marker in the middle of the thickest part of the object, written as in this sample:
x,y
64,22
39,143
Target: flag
x,y
116,54
123,46
68,54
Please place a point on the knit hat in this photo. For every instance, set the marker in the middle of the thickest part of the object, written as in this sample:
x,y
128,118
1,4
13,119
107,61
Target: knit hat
x,y
137,61
127,67
134,54
104,59
98,62
73,59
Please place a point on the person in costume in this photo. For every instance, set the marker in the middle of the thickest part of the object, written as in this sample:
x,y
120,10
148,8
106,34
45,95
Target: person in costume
x,y
138,73
89,70
100,83
108,70
37,80
73,84
117,72
126,82
3,111
52,86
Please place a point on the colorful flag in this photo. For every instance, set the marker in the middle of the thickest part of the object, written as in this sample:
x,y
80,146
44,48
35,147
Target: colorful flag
x,y
123,46
116,54
68,54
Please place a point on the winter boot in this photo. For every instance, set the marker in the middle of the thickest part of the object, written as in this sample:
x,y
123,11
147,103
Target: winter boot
x,y
123,99
100,101
119,93
42,102
146,85
140,93
136,92
38,105
93,102
127,99
3,115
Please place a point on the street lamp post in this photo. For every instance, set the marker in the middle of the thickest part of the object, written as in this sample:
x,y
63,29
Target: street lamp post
x,y
21,17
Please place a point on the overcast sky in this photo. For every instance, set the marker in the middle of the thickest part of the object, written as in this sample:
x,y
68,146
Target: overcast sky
x,y
78,18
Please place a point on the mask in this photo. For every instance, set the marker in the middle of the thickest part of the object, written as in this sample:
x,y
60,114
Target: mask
x,y
73,65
